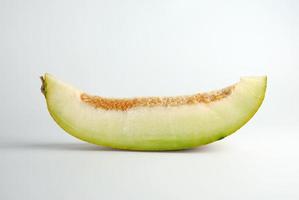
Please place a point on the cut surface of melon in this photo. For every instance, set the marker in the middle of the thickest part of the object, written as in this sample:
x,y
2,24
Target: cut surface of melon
x,y
154,123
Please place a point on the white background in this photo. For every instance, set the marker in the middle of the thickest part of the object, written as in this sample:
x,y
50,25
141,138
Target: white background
x,y
138,48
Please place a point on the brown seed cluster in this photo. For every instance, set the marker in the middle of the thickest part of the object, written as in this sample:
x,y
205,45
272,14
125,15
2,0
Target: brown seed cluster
x,y
126,104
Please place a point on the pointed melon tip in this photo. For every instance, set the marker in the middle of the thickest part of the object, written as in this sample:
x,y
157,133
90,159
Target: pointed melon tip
x,y
45,79
262,77
43,86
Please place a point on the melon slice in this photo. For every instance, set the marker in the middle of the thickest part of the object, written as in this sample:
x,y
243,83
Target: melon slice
x,y
154,123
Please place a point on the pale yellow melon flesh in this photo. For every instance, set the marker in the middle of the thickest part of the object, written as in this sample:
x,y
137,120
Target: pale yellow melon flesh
x,y
153,124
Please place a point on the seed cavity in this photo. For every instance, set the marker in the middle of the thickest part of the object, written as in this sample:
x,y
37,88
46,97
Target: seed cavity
x,y
126,104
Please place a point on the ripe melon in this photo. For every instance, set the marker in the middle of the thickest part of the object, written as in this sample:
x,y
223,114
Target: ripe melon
x,y
154,123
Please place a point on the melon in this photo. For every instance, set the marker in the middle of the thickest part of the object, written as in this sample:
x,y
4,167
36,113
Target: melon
x,y
153,123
